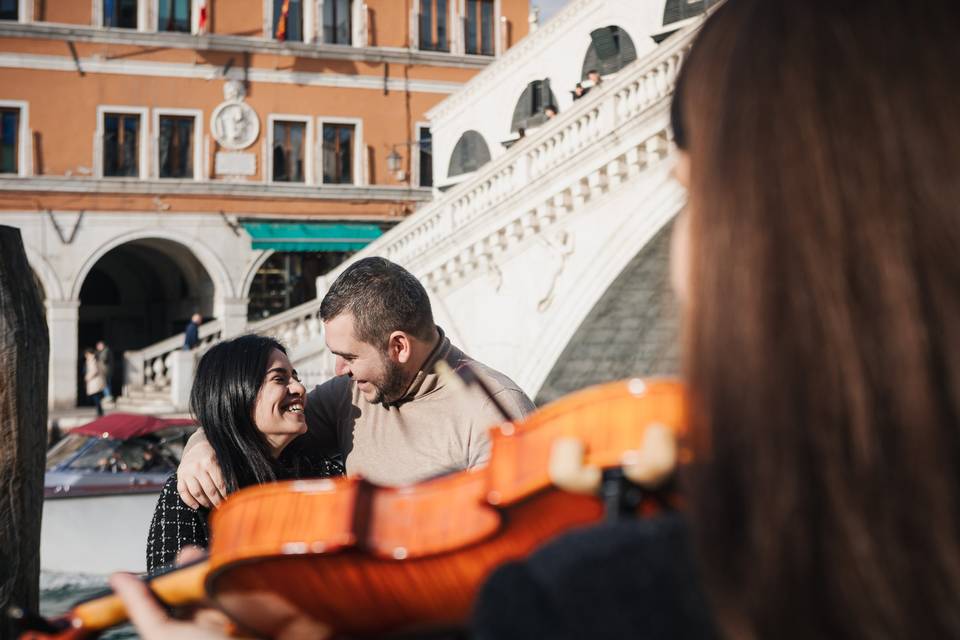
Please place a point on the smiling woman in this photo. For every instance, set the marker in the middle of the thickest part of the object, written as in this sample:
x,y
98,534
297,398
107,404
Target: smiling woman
x,y
250,403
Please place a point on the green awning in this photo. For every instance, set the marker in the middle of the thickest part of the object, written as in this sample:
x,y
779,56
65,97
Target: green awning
x,y
311,236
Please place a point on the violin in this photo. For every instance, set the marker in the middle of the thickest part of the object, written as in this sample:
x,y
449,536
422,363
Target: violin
x,y
364,560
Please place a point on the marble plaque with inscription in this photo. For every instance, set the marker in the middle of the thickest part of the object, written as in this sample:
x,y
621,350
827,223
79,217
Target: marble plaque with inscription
x,y
232,163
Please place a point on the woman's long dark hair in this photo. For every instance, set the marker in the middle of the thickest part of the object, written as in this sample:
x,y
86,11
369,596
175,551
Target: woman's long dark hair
x,y
222,399
822,341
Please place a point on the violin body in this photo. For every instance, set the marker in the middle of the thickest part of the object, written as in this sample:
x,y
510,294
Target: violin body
x,y
292,559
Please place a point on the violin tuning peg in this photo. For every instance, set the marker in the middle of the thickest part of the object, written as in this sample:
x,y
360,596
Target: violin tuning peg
x,y
567,470
655,460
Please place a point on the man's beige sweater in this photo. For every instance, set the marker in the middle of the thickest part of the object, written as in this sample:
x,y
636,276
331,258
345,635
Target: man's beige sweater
x,y
433,429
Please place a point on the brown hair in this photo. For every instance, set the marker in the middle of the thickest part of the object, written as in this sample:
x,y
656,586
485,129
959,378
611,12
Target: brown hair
x,y
822,346
383,297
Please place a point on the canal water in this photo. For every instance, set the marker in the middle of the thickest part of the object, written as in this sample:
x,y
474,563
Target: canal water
x,y
60,591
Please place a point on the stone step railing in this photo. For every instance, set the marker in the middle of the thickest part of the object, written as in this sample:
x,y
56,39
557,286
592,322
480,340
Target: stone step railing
x,y
603,141
150,369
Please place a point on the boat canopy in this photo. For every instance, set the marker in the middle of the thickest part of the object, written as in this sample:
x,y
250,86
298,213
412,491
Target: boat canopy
x,y
123,426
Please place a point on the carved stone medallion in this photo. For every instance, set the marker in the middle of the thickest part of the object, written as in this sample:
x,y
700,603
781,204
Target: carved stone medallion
x,y
234,123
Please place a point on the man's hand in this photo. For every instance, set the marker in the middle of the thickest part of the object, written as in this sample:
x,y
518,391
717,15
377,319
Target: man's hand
x,y
199,481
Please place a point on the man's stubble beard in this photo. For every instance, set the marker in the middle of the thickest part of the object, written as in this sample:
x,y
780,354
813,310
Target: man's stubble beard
x,y
393,385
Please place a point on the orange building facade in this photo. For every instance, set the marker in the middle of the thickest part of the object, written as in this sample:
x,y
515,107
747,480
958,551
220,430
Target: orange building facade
x,y
166,157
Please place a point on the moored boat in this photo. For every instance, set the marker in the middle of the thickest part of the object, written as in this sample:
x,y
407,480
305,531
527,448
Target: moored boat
x,y
100,490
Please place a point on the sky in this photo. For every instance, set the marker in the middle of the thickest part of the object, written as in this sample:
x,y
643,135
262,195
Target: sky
x,y
548,8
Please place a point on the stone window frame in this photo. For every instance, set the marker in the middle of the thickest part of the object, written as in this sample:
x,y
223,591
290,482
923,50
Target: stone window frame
x,y
143,16
494,28
198,140
464,141
457,28
148,14
154,16
415,149
352,18
310,15
25,11
359,150
309,175
606,67
24,137
528,109
143,155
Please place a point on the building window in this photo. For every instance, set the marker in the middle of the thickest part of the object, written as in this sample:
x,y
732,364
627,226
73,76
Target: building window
x,y
288,279
479,23
9,140
121,144
9,10
433,25
120,13
288,20
174,15
529,111
611,49
336,21
175,141
677,10
425,156
289,151
469,154
338,142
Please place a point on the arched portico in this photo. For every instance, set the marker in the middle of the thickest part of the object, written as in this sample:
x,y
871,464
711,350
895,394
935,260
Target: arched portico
x,y
223,284
138,293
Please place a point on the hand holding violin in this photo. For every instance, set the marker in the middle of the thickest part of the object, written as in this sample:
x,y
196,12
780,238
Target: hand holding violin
x,y
152,620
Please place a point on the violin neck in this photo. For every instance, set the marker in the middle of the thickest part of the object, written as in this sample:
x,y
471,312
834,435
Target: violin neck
x,y
175,588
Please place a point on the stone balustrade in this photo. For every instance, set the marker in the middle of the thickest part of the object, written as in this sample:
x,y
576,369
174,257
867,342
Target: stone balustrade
x,y
487,201
150,369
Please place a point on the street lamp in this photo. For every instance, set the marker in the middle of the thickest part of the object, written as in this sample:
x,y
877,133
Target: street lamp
x,y
394,163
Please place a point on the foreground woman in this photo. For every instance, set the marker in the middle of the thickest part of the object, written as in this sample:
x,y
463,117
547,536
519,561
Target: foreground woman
x,y
250,402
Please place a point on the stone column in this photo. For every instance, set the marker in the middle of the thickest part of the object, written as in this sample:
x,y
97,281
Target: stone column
x,y
181,378
62,320
232,313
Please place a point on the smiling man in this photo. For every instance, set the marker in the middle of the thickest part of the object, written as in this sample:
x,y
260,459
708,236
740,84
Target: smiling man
x,y
387,412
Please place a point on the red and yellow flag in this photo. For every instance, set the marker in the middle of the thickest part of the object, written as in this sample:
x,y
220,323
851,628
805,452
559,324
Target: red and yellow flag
x,y
282,22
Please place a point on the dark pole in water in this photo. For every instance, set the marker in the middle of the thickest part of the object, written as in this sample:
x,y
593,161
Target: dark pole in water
x,y
24,353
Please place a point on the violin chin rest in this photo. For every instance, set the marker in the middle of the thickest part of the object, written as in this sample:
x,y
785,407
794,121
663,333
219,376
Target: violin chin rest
x,y
655,460
567,469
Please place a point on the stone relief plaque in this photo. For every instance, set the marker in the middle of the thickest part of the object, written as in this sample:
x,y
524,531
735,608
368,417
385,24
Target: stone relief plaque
x,y
234,163
234,124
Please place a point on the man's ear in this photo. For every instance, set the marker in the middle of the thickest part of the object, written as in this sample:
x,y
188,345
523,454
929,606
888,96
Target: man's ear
x,y
399,347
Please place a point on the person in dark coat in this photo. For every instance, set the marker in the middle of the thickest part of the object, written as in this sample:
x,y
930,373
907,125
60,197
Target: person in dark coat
x,y
191,335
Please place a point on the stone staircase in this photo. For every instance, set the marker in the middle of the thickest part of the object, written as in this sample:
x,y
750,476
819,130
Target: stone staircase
x,y
153,401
